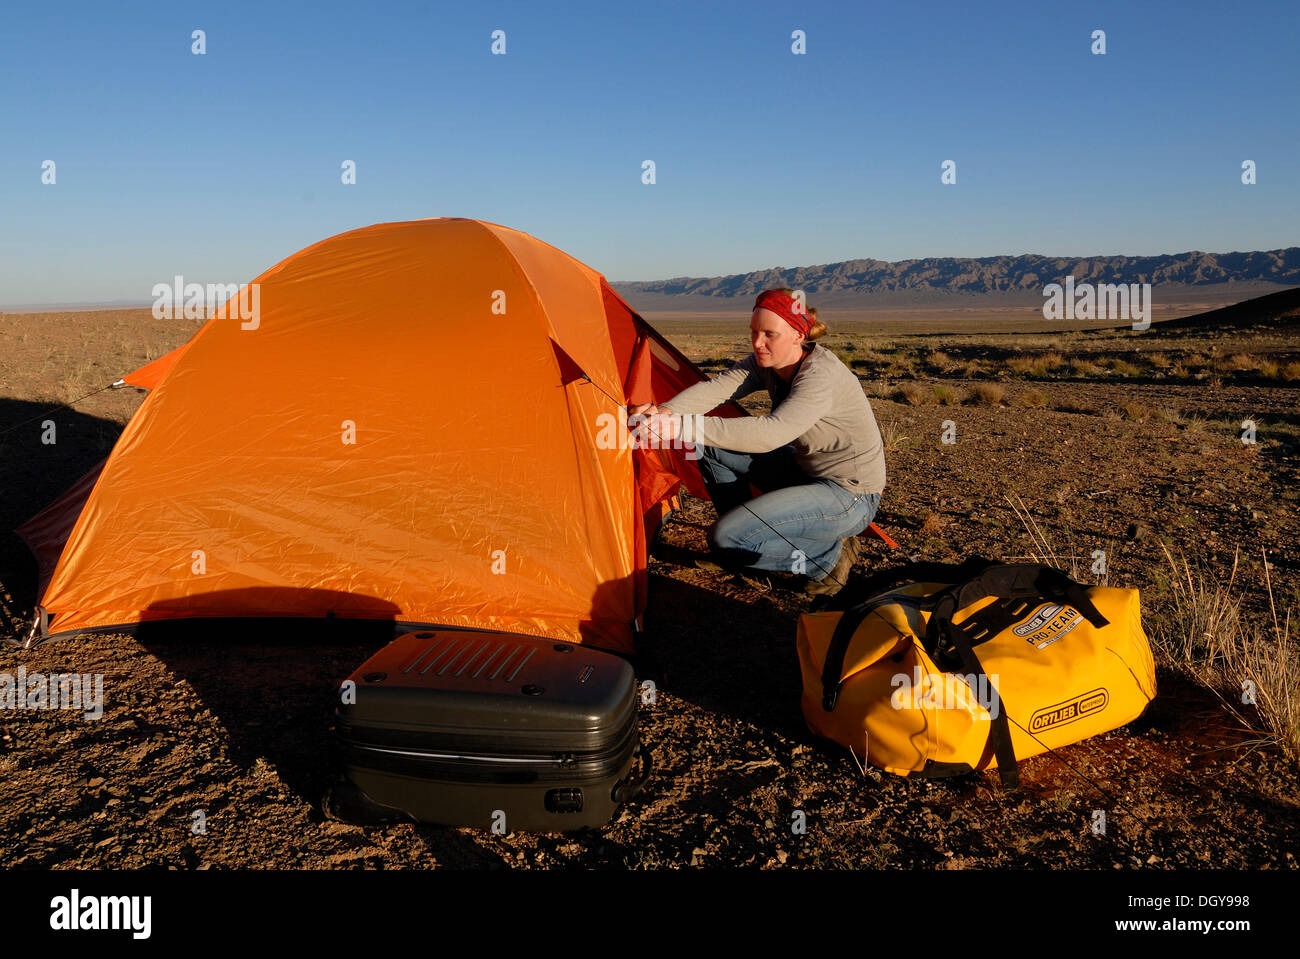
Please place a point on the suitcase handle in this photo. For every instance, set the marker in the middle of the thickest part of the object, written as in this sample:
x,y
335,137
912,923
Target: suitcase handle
x,y
629,787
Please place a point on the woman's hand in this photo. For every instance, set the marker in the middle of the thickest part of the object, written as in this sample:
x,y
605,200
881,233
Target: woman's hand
x,y
651,429
665,427
638,413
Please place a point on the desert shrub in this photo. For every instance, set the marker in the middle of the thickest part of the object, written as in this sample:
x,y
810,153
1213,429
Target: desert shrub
x,y
1052,360
933,523
987,394
939,359
900,364
1206,632
912,393
946,395
892,438
1138,412
1239,362
1159,361
1033,399
1078,408
1036,365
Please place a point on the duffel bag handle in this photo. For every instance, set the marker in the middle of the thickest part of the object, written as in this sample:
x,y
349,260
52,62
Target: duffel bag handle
x,y
1009,581
855,608
833,668
1006,581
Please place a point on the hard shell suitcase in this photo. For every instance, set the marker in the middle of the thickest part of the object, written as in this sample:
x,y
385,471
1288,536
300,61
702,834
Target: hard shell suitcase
x,y
492,730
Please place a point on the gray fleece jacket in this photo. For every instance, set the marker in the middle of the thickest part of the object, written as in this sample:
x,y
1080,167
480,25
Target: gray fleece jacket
x,y
822,412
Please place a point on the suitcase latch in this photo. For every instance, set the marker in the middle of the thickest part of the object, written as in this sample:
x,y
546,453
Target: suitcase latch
x,y
564,800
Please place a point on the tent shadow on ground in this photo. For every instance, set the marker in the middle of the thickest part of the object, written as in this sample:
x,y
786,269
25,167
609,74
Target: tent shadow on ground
x,y
34,473
271,682
725,656
273,685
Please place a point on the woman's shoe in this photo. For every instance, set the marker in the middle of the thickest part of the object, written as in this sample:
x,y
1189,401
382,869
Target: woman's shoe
x,y
834,581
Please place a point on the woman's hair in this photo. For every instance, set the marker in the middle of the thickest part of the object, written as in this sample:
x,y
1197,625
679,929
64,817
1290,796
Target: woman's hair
x,y
818,327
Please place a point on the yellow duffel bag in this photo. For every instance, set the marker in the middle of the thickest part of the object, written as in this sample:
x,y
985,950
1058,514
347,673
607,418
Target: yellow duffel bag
x,y
962,667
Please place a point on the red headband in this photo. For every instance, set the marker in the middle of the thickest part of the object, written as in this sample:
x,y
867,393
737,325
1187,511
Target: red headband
x,y
787,307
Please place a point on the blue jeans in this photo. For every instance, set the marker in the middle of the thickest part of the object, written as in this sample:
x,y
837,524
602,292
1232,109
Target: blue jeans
x,y
795,526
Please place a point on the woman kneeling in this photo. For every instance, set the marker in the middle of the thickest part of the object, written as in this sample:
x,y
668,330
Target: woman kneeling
x,y
817,458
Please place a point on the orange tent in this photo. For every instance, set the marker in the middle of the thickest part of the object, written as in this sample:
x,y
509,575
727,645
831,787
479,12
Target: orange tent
x,y
415,428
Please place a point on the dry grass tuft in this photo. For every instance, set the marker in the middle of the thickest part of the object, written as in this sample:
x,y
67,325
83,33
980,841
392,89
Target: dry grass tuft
x,y
987,394
939,359
1204,612
900,364
1253,667
946,395
1240,362
1032,399
1081,409
933,523
1042,550
1040,364
892,438
912,393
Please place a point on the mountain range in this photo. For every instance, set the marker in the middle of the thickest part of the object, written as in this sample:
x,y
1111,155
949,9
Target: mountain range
x,y
1024,273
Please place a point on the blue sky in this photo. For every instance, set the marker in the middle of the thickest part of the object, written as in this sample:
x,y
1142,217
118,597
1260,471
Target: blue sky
x,y
218,166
